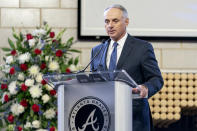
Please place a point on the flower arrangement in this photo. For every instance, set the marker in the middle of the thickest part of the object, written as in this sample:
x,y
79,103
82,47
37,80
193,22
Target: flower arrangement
x,y
27,101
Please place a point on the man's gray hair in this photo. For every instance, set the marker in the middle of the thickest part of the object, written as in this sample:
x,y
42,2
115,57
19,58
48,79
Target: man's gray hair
x,y
123,9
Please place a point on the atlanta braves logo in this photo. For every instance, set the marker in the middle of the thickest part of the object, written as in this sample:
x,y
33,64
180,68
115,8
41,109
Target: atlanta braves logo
x,y
89,114
90,117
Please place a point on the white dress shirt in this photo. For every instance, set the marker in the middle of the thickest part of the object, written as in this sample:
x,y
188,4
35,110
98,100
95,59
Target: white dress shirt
x,y
119,49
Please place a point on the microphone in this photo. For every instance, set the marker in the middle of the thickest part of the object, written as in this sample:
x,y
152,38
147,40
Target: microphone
x,y
103,41
100,65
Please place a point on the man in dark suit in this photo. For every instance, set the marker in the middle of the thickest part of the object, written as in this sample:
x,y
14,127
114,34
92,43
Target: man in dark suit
x,y
133,55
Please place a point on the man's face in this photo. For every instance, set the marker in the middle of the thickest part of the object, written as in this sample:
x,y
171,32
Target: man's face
x,y
115,23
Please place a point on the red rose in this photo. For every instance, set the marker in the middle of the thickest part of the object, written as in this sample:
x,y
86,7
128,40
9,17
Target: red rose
x,y
23,87
52,34
37,51
23,67
42,66
35,108
6,98
29,36
43,82
54,41
13,52
68,70
19,128
12,71
52,92
59,53
24,103
4,86
10,118
52,128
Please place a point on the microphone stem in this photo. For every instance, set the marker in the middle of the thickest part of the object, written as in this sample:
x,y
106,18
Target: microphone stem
x,y
91,60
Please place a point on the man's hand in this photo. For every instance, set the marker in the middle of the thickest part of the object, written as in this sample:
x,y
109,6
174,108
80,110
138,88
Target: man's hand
x,y
142,90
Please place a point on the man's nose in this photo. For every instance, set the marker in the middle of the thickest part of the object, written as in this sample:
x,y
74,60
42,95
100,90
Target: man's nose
x,y
111,24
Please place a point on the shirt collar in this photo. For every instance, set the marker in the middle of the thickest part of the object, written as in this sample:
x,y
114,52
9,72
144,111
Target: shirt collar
x,y
121,41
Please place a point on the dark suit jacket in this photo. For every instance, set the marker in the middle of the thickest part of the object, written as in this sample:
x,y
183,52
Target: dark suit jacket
x,y
138,59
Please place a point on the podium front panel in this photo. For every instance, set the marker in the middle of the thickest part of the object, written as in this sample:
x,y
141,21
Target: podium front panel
x,y
99,106
86,106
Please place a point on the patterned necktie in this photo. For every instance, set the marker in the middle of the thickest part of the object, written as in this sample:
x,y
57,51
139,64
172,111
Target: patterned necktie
x,y
113,59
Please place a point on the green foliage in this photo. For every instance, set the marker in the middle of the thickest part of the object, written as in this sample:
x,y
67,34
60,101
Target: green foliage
x,y
11,44
6,49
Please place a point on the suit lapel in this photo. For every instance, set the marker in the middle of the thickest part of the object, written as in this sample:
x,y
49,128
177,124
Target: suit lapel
x,y
104,55
125,51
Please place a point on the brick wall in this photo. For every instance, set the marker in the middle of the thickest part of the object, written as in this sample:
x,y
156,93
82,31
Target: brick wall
x,y
26,15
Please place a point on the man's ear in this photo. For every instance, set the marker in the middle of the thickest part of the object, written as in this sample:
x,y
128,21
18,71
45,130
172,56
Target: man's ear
x,y
127,21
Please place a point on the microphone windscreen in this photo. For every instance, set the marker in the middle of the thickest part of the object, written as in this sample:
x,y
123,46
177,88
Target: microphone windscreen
x,y
103,40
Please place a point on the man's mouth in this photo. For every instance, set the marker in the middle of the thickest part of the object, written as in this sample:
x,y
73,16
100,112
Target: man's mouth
x,y
111,31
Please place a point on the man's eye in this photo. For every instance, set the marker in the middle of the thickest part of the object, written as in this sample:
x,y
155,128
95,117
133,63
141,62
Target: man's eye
x,y
115,21
106,21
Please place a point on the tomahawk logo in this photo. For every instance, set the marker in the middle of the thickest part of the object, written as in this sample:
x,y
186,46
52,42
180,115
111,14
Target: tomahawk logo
x,y
89,114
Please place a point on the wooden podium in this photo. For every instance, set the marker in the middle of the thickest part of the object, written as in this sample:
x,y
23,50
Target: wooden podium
x,y
94,101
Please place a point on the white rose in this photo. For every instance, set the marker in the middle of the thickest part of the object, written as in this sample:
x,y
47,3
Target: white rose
x,y
46,58
20,108
27,125
12,88
17,109
39,78
53,66
9,59
6,68
49,114
72,67
45,98
35,91
21,77
34,70
43,32
32,42
36,124
39,32
21,59
48,87
24,58
11,127
29,82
